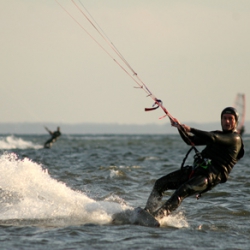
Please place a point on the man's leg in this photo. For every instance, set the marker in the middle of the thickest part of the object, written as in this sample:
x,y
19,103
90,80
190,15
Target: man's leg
x,y
196,184
170,181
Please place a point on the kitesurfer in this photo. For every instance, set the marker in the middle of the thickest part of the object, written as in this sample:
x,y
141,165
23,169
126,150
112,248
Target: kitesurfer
x,y
54,137
211,167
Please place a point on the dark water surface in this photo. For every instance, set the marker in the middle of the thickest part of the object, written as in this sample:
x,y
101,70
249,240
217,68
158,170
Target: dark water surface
x,y
64,197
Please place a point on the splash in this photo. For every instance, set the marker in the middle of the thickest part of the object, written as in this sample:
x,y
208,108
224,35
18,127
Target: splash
x,y
177,220
27,192
11,142
30,196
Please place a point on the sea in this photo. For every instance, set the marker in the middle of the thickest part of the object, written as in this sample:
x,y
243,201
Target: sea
x,y
65,197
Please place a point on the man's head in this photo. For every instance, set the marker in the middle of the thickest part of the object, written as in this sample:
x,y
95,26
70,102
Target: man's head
x,y
229,119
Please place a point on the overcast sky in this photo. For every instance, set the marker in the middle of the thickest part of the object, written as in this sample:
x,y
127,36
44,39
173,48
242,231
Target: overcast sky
x,y
193,55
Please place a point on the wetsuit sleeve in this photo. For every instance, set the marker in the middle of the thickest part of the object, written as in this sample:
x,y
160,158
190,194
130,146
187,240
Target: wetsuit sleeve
x,y
188,138
200,137
215,136
185,137
50,132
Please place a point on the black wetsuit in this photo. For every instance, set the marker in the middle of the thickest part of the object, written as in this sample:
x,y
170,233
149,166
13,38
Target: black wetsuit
x,y
222,151
53,138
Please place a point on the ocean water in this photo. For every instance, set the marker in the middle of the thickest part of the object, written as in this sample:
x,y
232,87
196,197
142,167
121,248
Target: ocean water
x,y
65,197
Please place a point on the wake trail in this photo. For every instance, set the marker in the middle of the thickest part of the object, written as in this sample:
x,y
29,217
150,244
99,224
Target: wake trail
x,y
13,142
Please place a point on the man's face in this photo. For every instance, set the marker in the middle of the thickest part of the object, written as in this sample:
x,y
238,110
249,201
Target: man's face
x,y
228,122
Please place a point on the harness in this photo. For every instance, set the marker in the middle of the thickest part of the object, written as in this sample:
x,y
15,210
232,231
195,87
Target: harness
x,y
199,162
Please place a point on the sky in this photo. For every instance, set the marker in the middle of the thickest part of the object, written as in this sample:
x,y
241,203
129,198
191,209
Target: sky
x,y
193,55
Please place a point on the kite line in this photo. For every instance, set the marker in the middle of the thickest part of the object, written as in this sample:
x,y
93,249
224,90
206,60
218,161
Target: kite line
x,y
132,74
128,69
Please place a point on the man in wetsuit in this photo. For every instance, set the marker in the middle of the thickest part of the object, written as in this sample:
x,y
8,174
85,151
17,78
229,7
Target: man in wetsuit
x,y
211,167
54,136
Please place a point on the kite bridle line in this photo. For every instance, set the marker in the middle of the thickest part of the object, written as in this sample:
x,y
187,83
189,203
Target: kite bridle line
x,y
134,76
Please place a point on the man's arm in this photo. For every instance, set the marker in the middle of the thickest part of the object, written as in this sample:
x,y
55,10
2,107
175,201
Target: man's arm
x,y
186,134
48,130
217,136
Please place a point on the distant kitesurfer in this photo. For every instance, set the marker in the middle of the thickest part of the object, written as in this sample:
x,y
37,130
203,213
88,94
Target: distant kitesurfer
x,y
54,136
211,167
